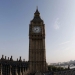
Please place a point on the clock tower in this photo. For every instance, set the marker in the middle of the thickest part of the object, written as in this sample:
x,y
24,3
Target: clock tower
x,y
37,52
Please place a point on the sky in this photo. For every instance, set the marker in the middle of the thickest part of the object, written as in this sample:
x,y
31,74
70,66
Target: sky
x,y
59,20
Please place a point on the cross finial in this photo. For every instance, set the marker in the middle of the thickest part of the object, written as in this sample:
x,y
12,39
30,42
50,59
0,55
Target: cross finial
x,y
37,8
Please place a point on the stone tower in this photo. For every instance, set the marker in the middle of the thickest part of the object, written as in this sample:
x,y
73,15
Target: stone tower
x,y
37,53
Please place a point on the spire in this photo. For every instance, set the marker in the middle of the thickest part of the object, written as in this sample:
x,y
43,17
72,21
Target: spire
x,y
36,17
37,8
11,58
37,12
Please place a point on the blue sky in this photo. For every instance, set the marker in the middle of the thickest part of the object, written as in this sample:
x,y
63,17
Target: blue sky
x,y
59,19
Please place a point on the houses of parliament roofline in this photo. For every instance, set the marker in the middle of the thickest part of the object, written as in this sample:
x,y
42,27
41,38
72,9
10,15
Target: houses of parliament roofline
x,y
15,67
11,59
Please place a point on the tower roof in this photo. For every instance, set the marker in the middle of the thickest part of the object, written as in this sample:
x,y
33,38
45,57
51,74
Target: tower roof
x,y
36,16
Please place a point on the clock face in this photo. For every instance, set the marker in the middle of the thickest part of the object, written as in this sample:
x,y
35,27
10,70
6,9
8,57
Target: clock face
x,y
36,29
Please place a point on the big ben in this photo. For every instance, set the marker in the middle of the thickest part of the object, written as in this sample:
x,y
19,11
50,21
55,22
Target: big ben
x,y
37,52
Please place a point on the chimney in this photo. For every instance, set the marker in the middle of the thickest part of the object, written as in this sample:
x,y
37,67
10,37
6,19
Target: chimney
x,y
5,57
8,58
17,59
2,57
23,59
